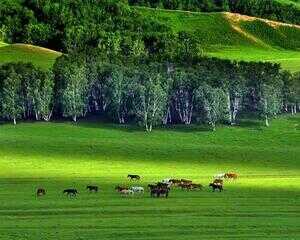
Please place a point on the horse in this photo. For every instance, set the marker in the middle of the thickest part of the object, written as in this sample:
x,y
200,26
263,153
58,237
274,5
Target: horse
x,y
184,181
195,186
133,177
231,176
187,186
215,186
175,182
119,188
163,185
218,181
137,189
159,191
40,192
219,176
92,188
71,192
126,192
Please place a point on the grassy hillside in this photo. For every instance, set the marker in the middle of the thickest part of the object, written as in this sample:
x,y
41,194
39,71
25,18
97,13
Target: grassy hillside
x,y
41,57
294,2
262,204
239,37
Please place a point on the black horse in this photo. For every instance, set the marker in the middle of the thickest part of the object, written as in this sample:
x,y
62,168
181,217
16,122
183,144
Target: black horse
x,y
159,192
215,186
71,192
92,188
133,177
40,192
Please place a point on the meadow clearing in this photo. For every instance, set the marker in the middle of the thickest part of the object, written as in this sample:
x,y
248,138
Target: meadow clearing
x,y
262,204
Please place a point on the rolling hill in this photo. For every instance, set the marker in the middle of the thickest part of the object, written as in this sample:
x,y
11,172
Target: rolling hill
x,y
41,57
236,37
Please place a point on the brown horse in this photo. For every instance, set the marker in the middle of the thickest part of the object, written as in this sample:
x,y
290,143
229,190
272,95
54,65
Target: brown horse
x,y
185,186
40,192
120,188
185,181
195,186
231,175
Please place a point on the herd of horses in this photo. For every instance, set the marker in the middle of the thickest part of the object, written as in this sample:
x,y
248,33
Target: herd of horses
x,y
160,189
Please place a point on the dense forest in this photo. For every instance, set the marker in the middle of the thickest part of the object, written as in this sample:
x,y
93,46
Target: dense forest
x,y
268,9
129,69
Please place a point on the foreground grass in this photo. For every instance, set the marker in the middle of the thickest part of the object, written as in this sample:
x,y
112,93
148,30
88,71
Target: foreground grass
x,y
236,37
263,203
38,56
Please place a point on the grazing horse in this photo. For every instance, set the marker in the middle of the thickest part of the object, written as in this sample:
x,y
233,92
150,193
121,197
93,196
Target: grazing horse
x,y
175,182
215,186
184,181
218,181
92,188
163,185
195,186
137,189
126,192
120,188
187,186
71,192
40,192
231,176
133,177
159,192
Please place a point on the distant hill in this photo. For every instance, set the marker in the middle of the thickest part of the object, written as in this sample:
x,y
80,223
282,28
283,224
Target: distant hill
x,y
41,57
235,36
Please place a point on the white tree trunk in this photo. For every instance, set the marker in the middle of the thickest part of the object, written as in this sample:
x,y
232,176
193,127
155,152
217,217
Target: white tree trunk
x,y
75,118
15,121
267,121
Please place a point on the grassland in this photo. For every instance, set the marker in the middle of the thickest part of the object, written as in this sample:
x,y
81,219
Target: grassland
x,y
237,37
262,204
38,56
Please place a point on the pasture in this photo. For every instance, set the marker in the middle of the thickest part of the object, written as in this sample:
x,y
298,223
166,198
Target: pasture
x,y
38,56
236,37
263,203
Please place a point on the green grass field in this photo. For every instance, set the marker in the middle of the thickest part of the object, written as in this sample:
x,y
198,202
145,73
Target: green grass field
x,y
236,37
262,204
38,56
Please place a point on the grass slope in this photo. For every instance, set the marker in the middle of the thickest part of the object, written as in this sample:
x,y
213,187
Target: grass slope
x,y
294,2
238,37
262,204
38,56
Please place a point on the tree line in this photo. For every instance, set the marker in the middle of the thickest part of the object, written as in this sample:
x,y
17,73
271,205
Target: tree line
x,y
148,93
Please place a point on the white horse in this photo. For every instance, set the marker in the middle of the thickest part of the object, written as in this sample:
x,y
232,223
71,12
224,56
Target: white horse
x,y
137,189
219,176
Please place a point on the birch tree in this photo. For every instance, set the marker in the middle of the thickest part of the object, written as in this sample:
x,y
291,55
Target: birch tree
x,y
149,98
212,101
270,102
11,97
75,91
